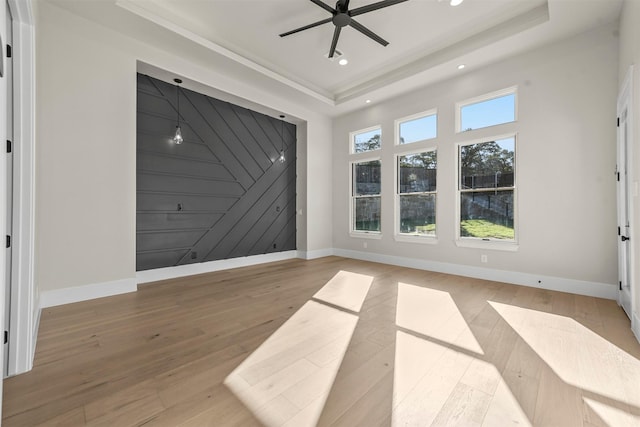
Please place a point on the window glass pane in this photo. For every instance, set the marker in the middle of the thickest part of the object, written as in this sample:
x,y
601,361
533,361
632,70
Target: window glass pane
x,y
487,214
418,214
417,172
366,178
367,141
488,164
367,214
418,129
488,113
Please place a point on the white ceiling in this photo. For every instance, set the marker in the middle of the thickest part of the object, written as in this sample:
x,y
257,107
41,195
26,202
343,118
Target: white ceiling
x,y
427,38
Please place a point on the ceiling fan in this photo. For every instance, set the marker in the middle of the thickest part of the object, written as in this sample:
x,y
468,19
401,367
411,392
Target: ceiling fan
x,y
341,16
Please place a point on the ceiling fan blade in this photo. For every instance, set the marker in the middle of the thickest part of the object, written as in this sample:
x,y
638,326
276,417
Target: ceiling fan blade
x,y
306,27
324,6
334,42
367,32
375,6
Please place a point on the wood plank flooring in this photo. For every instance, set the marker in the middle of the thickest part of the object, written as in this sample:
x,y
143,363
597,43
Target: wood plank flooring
x,y
331,342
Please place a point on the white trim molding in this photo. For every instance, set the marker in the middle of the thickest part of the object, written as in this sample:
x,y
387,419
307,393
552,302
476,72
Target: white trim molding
x,y
116,287
580,287
34,337
304,87
23,328
87,292
635,326
165,273
318,253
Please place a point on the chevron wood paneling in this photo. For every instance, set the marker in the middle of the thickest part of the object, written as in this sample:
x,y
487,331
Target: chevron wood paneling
x,y
222,193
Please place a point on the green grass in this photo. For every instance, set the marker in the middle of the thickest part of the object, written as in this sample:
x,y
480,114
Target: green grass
x,y
413,229
429,228
484,229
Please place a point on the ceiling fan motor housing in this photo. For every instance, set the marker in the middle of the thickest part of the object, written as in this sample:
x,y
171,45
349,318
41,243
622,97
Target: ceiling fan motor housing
x,y
341,19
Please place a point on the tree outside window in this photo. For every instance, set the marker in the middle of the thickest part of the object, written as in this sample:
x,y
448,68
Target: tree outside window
x,y
368,140
417,193
487,187
366,196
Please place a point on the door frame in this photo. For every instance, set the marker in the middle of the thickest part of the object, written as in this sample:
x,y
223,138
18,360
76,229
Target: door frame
x,y
25,311
625,98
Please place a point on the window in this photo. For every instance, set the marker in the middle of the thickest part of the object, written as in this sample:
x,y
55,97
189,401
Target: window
x,y
487,189
416,128
366,140
366,196
488,110
416,191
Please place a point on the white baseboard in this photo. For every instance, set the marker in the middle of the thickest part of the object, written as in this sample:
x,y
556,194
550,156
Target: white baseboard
x,y
86,292
99,290
208,267
635,326
34,338
318,253
595,289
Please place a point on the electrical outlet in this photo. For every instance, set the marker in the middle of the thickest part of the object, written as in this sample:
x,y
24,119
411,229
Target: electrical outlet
x,y
483,258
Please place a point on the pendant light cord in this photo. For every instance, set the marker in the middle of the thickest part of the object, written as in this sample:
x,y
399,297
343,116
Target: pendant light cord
x,y
178,82
178,97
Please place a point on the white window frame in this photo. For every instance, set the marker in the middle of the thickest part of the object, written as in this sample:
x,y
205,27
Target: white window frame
x,y
406,237
398,122
352,141
513,90
484,243
352,231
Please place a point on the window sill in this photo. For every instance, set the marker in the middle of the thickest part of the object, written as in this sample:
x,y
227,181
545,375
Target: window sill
x,y
366,235
488,244
410,238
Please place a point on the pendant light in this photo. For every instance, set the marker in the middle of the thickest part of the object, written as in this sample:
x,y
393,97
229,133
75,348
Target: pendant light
x,y
177,138
282,159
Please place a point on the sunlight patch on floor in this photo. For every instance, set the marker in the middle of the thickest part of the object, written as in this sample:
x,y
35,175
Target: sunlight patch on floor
x,y
287,380
443,381
425,374
612,416
579,357
504,409
347,290
434,314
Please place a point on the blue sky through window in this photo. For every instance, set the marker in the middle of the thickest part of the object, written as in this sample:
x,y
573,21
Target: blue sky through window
x,y
418,129
488,113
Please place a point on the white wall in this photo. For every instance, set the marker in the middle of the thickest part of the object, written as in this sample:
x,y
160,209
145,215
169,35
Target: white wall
x,y
319,188
565,162
86,126
630,55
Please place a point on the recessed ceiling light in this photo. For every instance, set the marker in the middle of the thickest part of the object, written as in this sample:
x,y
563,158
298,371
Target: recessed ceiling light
x,y
343,61
456,2
460,67
368,101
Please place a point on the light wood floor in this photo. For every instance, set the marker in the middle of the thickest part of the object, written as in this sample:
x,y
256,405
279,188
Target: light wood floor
x,y
334,341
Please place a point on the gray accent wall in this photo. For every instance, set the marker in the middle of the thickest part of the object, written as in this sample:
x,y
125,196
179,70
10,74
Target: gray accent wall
x,y
222,193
